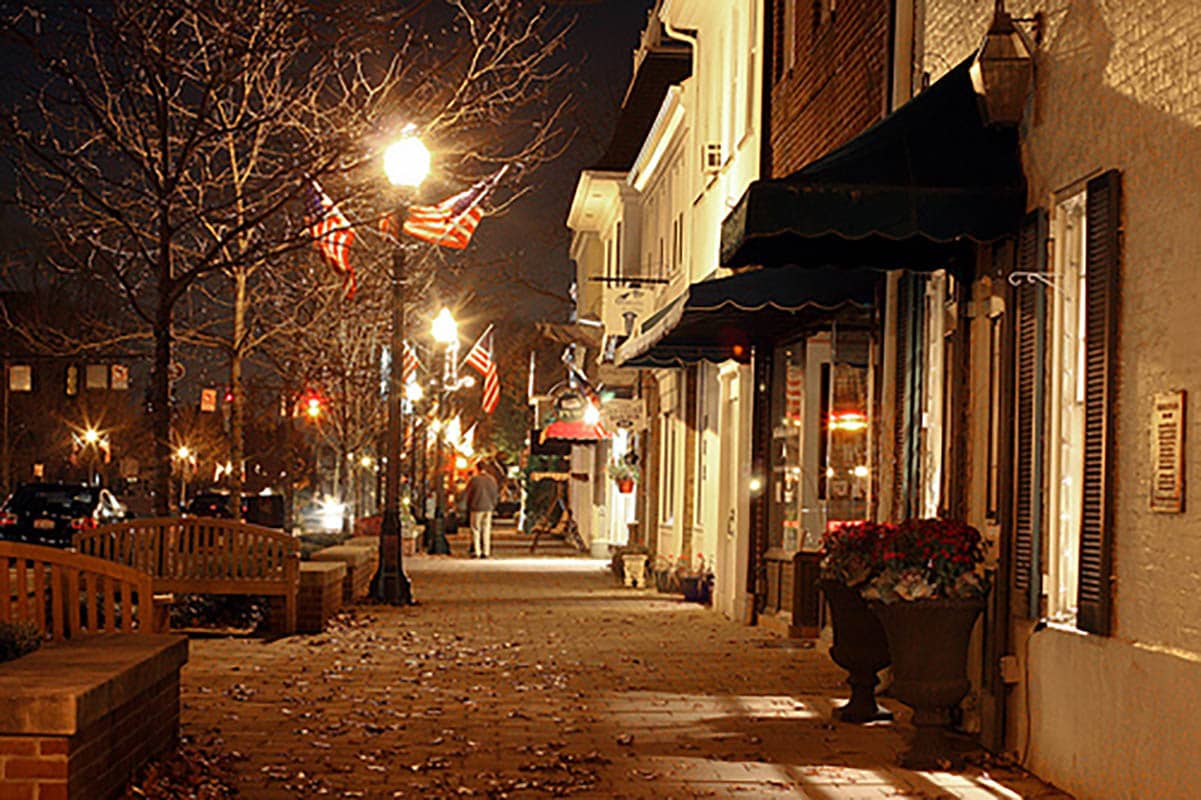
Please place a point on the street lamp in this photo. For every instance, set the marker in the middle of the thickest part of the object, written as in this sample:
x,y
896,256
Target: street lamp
x,y
1003,68
445,331
94,442
406,163
186,457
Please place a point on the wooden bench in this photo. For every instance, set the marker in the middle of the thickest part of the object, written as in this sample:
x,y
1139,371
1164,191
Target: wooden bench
x,y
83,714
69,595
198,555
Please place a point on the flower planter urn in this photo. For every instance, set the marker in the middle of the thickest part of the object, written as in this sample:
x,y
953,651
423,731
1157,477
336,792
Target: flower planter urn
x,y
625,485
633,567
860,647
928,641
697,588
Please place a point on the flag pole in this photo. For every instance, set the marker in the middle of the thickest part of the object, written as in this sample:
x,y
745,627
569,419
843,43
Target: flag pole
x,y
478,339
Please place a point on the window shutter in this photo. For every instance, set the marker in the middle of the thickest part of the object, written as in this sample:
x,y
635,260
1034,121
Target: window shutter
x,y
1030,358
1102,251
907,428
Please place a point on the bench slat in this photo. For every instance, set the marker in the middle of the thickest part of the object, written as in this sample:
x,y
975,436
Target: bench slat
x,y
72,600
5,593
57,628
22,591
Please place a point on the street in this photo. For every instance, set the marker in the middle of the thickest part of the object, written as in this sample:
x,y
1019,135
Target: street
x,y
539,676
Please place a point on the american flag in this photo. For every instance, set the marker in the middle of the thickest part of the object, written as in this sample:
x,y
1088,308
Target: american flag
x,y
452,222
411,363
331,233
480,358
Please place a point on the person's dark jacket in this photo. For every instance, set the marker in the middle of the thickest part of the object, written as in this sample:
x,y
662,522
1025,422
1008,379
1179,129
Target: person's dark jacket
x,y
482,493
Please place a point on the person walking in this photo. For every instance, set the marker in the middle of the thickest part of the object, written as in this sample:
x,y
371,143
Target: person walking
x,y
482,493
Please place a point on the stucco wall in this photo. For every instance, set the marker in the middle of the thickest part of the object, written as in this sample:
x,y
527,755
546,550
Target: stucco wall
x,y
1119,86
1111,720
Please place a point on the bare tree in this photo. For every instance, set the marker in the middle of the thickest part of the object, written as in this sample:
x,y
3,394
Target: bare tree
x,y
162,144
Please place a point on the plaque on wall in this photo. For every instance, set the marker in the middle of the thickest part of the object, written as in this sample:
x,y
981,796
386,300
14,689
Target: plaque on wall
x,y
1167,453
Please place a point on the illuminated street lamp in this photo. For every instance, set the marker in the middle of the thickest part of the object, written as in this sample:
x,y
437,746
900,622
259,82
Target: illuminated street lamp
x,y
406,163
187,458
445,331
97,442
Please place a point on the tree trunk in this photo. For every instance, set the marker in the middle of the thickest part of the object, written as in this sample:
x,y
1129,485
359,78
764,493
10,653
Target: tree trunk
x,y
160,416
237,417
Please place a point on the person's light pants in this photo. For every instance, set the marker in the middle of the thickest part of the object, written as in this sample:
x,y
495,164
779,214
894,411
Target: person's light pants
x,y
481,532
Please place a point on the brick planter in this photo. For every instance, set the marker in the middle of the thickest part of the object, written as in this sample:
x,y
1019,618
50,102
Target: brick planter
x,y
361,563
81,718
321,585
412,535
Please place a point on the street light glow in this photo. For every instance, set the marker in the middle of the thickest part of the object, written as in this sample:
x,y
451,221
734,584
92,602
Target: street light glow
x,y
407,162
91,436
184,451
591,414
445,330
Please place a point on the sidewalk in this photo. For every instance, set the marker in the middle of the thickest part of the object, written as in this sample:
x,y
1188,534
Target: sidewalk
x,y
539,677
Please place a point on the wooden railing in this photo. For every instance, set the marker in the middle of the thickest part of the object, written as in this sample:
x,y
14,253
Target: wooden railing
x,y
68,595
199,555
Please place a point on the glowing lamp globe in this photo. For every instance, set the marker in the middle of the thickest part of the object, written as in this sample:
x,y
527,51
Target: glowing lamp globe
x,y
407,162
445,330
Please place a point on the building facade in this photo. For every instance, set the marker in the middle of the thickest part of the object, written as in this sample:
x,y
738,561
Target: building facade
x,y
646,225
1099,536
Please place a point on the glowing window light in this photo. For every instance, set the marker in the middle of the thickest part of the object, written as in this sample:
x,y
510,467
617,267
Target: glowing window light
x,y
860,471
850,421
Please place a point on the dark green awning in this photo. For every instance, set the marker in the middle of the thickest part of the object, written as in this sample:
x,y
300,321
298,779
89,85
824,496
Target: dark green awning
x,y
914,191
723,319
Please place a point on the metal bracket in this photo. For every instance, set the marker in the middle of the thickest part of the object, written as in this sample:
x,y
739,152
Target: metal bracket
x,y
1047,280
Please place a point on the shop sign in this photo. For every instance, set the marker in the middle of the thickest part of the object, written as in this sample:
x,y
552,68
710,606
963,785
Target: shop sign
x,y
625,413
1167,453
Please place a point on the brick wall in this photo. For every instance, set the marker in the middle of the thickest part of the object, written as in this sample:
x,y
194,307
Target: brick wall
x,y
837,84
320,594
97,762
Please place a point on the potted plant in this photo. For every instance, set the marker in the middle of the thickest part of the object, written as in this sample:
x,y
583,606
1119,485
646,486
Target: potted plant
x,y
696,583
631,561
625,474
666,576
851,557
928,592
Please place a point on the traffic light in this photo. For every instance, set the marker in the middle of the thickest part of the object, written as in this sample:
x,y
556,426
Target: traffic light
x,y
311,404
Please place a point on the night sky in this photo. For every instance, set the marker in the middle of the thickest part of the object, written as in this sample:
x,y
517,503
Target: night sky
x,y
534,232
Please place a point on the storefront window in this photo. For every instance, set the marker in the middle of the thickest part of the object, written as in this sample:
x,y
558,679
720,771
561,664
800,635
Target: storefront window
x,y
788,403
821,471
847,467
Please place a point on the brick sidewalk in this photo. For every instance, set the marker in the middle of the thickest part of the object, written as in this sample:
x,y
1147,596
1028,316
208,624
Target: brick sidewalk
x,y
538,678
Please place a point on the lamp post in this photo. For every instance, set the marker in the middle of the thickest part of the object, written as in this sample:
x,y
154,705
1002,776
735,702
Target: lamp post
x,y
406,164
446,333
185,456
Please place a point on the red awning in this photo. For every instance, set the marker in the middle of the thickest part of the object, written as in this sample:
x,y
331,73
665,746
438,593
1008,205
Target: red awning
x,y
578,431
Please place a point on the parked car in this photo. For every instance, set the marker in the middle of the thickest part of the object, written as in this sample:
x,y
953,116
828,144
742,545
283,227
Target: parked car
x,y
258,509
51,513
